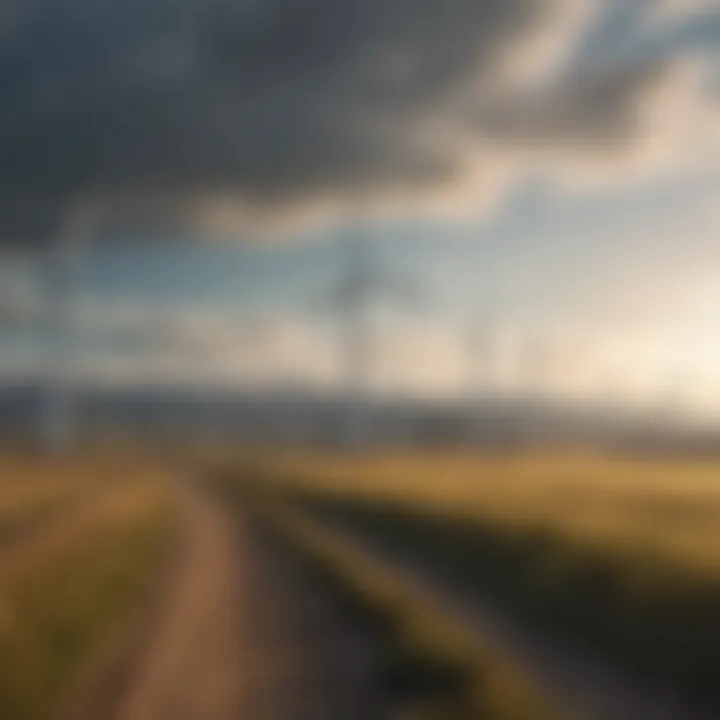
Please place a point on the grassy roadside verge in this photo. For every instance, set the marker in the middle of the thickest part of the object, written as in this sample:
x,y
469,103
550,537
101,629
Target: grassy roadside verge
x,y
56,615
26,506
654,620
433,668
620,557
34,491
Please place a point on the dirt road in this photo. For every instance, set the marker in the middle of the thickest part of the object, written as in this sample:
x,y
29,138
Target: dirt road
x,y
241,632
192,660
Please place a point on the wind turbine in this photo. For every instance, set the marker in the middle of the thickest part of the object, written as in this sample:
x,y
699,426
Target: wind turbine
x,y
19,293
364,280
479,348
57,427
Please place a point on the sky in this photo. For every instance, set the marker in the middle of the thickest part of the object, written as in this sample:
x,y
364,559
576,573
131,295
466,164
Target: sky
x,y
544,174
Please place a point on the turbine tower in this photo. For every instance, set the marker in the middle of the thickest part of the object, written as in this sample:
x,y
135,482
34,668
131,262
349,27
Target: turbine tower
x,y
478,352
57,427
364,281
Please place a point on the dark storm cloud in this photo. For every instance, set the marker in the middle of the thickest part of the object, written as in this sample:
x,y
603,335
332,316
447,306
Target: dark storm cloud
x,y
273,102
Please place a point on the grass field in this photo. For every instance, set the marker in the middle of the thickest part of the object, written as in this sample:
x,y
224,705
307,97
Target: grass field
x,y
434,670
654,505
69,580
622,554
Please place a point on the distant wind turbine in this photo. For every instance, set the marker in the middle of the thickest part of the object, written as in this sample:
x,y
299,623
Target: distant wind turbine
x,y
479,347
364,281
19,294
57,421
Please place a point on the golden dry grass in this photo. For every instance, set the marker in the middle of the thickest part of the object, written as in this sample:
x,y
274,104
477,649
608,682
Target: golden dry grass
x,y
665,506
622,554
32,486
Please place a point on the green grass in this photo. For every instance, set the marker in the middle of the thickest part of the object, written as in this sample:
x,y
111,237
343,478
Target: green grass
x,y
435,669
56,615
620,554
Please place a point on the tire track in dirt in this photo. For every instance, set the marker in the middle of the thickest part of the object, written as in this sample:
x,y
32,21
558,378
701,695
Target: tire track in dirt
x,y
305,657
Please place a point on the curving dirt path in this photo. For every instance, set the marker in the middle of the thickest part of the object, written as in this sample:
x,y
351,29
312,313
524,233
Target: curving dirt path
x,y
191,661
237,631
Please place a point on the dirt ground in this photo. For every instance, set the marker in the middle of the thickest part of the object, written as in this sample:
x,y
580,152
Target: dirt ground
x,y
242,632
191,661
